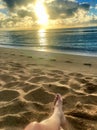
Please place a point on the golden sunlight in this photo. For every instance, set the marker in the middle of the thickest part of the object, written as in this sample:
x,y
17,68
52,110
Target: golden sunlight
x,y
42,40
42,37
41,13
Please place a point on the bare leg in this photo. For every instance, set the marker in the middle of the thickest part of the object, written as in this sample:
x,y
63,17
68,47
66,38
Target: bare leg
x,y
63,120
55,122
33,126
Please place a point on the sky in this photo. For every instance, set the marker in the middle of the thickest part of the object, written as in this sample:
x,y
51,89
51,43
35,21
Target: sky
x,y
36,14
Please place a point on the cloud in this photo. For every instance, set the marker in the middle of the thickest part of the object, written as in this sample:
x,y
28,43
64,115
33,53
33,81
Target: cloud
x,y
23,13
12,3
55,8
19,13
68,12
96,6
2,19
61,9
15,21
84,6
63,12
64,9
2,16
2,7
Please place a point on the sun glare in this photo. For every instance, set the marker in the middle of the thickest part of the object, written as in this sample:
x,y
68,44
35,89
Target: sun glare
x,y
41,13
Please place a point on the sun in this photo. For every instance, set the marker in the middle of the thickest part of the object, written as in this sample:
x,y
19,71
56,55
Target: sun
x,y
41,13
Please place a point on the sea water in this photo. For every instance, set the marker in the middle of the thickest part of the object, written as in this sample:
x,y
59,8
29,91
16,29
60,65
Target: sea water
x,y
81,41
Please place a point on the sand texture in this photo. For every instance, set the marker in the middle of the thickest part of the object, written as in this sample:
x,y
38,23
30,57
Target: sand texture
x,y
29,82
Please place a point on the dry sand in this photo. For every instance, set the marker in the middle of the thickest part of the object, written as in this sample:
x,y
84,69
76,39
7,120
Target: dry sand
x,y
29,81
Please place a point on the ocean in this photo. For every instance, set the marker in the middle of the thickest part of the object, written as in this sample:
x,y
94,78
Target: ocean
x,y
78,41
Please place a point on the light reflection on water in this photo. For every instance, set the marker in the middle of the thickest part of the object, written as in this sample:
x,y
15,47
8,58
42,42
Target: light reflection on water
x,y
77,40
42,39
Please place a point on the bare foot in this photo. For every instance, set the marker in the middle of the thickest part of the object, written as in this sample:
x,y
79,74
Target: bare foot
x,y
54,122
58,101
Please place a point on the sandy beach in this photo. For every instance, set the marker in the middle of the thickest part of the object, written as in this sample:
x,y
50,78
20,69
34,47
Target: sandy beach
x,y
29,81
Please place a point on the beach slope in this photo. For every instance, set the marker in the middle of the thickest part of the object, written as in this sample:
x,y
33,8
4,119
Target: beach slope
x,y
29,81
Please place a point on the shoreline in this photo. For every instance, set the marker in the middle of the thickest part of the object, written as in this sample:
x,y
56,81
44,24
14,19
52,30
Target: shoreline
x,y
29,81
52,51
68,62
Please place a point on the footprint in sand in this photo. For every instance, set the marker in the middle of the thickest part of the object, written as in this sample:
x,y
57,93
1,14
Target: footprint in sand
x,y
38,72
11,107
64,80
74,84
13,120
18,65
31,116
39,95
7,78
82,80
42,79
11,84
68,61
8,95
40,107
90,88
69,101
79,114
28,86
89,99
12,54
57,89
53,60
57,72
30,65
87,64
30,57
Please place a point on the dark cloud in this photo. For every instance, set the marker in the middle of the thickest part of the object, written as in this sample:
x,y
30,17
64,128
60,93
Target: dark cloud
x,y
61,9
12,3
55,9
23,13
64,8
84,6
